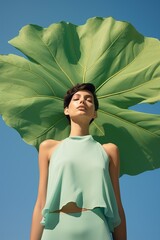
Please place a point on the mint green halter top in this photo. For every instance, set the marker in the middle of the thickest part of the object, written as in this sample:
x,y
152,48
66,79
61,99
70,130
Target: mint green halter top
x,y
78,172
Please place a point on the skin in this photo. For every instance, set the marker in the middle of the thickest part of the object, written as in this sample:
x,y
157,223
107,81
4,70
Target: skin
x,y
81,110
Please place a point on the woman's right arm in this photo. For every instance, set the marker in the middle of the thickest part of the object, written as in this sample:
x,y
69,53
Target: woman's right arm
x,y
36,227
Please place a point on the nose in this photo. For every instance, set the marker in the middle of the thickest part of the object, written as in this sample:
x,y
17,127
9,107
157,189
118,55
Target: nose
x,y
82,100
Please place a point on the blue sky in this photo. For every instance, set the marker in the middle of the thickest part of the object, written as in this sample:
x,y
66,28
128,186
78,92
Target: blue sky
x,y
19,169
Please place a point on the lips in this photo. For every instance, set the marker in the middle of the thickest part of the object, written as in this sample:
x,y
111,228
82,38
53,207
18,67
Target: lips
x,y
81,107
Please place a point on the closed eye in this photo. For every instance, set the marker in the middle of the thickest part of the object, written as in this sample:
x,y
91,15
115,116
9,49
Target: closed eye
x,y
75,99
89,99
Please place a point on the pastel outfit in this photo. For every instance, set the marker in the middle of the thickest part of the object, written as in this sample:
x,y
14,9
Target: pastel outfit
x,y
78,172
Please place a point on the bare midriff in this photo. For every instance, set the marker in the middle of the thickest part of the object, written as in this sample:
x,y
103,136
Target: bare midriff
x,y
71,207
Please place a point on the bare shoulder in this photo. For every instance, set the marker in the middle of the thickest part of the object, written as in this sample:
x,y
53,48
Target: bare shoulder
x,y
110,148
48,143
112,151
47,147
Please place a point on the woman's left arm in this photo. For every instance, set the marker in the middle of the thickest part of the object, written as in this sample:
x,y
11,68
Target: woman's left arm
x,y
120,232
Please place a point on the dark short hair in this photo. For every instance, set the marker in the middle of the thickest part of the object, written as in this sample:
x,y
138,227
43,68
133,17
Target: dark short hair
x,y
80,87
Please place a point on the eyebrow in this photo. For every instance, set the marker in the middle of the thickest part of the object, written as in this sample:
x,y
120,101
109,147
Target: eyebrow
x,y
87,95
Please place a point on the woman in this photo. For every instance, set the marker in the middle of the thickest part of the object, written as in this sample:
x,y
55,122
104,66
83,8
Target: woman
x,y
78,193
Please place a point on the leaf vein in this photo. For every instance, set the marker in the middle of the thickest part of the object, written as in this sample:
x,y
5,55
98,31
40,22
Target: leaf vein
x,y
129,123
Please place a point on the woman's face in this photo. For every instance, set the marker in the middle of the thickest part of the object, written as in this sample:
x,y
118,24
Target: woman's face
x,y
81,106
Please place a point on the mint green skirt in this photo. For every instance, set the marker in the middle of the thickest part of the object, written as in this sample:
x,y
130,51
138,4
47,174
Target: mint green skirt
x,y
86,225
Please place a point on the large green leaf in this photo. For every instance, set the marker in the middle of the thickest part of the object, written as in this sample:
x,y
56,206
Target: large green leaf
x,y
122,64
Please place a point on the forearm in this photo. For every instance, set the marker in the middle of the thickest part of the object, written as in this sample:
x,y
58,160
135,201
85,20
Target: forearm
x,y
120,232
36,227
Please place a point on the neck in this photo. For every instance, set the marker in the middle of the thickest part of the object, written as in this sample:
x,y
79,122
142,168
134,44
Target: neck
x,y
79,129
